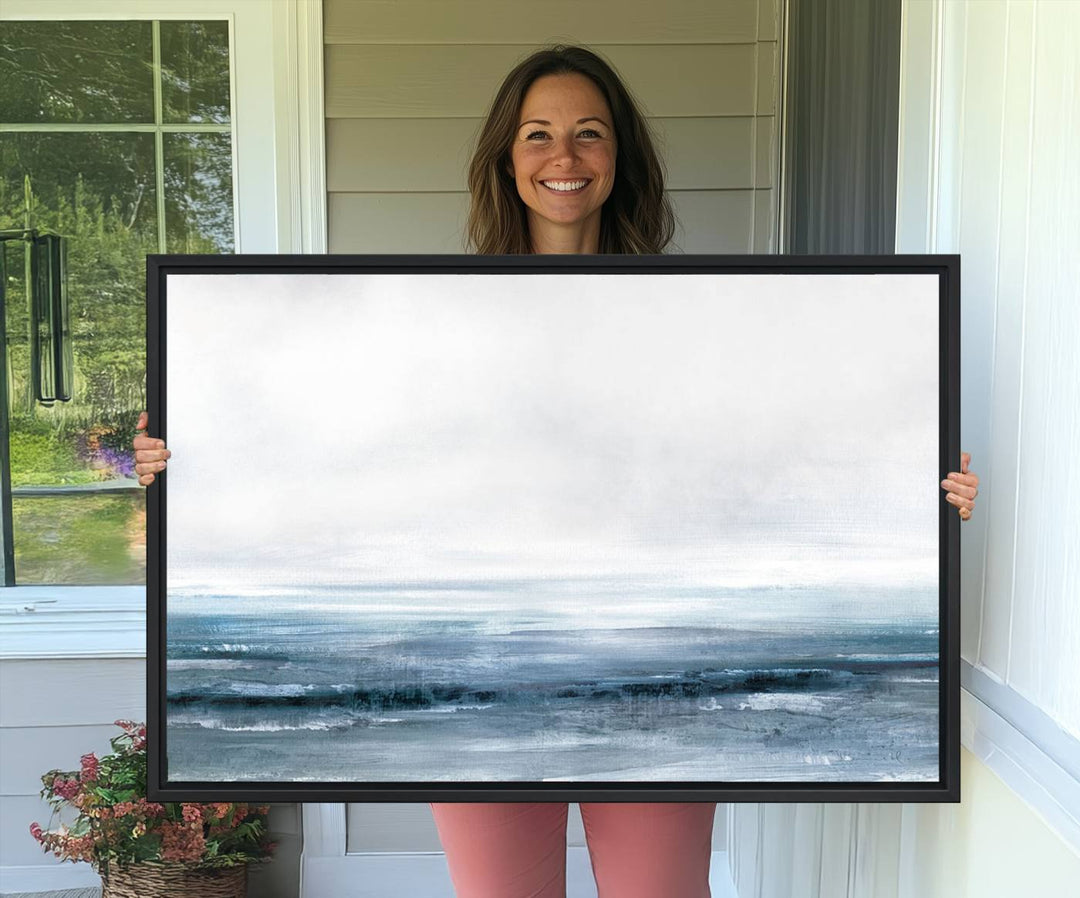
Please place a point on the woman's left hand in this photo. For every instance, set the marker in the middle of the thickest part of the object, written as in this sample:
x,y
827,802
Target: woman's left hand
x,y
962,487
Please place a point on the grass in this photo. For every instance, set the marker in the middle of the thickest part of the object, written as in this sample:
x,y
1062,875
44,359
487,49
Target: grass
x,y
80,540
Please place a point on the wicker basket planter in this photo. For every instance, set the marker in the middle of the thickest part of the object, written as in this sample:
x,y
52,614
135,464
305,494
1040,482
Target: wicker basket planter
x,y
162,880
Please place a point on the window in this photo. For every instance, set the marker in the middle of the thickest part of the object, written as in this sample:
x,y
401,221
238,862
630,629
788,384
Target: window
x,y
116,135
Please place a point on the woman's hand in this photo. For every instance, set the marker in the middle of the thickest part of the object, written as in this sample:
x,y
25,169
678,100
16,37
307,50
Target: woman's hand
x,y
962,487
150,454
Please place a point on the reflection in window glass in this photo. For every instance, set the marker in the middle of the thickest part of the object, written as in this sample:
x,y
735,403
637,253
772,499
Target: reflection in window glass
x,y
81,540
79,516
112,173
76,72
198,193
98,190
195,71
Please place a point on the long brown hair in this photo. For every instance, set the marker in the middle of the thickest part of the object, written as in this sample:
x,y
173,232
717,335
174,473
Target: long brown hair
x,y
637,216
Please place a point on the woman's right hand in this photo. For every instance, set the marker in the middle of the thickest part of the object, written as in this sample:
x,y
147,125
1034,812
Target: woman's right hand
x,y
150,453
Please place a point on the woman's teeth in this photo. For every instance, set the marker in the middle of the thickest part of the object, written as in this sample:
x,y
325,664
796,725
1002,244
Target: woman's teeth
x,y
564,186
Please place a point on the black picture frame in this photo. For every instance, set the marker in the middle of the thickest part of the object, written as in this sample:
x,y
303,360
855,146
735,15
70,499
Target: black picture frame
x,y
946,269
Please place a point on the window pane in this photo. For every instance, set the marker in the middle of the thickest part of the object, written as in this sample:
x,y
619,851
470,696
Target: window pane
x,y
195,71
198,193
98,190
81,540
76,72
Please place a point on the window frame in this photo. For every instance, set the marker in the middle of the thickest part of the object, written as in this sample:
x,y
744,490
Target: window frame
x,y
277,120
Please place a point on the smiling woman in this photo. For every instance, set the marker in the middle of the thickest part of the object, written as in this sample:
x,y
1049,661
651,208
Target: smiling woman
x,y
563,116
563,165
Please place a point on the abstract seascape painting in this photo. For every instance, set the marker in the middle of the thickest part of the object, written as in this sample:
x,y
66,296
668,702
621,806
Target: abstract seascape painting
x,y
563,528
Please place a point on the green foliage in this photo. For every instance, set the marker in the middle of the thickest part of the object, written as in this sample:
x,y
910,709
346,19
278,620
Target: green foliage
x,y
106,276
76,71
39,458
82,540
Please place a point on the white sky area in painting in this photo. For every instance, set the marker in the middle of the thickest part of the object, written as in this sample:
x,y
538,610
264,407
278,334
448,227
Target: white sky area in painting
x,y
709,429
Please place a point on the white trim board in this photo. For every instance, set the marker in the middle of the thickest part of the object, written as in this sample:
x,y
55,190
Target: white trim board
x,y
1059,746
39,622
1025,767
298,30
918,128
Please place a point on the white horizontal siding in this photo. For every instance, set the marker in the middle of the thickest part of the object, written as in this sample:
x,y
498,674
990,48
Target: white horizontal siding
x,y
708,221
397,153
459,80
77,692
29,751
51,713
397,222
520,22
408,83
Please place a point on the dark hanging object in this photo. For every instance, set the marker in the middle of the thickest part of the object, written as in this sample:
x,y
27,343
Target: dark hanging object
x,y
51,359
6,529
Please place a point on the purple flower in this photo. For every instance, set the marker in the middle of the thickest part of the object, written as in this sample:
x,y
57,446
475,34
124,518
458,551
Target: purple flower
x,y
121,461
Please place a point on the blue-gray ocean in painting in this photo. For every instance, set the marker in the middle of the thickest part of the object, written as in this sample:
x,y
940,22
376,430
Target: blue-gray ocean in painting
x,y
549,680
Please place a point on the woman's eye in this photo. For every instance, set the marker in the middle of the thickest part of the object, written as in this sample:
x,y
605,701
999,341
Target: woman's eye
x,y
590,132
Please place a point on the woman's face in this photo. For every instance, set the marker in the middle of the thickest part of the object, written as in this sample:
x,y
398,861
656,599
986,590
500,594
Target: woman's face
x,y
565,136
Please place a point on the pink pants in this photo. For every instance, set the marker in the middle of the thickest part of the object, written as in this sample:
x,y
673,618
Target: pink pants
x,y
518,850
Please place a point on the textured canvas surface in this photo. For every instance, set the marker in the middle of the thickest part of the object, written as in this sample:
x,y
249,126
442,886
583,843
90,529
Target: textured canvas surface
x,y
568,527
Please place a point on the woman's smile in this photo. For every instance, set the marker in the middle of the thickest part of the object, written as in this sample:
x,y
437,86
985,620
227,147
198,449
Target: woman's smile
x,y
565,187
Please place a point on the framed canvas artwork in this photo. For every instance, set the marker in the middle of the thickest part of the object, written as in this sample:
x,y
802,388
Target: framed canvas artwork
x,y
586,528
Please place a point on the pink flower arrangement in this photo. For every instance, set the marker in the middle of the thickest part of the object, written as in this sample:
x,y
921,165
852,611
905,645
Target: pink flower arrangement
x,y
89,768
117,824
